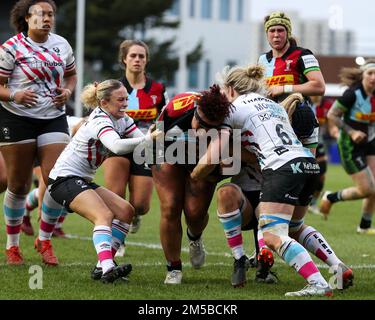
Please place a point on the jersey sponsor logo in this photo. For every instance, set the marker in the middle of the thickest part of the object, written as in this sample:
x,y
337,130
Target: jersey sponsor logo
x,y
183,102
280,80
310,61
264,117
296,167
365,116
148,114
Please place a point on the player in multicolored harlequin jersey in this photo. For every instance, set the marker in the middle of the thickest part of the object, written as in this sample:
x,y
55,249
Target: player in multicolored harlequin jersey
x,y
177,191
37,77
354,115
289,68
146,99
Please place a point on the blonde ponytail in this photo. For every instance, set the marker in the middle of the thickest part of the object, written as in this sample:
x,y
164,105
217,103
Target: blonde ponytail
x,y
93,93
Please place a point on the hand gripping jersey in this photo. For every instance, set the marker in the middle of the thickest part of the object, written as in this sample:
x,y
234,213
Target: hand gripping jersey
x,y
145,104
36,66
290,69
85,152
266,131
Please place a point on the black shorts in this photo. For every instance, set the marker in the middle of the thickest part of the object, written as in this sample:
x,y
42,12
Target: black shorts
x,y
320,151
253,197
138,169
294,183
14,128
64,189
353,155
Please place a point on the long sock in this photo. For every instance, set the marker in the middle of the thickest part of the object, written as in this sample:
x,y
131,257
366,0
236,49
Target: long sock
x,y
51,212
297,257
119,232
32,201
366,220
14,209
231,222
261,242
61,219
174,265
335,197
193,237
102,238
313,241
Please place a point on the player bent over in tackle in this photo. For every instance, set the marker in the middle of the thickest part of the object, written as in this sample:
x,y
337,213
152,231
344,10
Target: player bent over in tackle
x,y
71,180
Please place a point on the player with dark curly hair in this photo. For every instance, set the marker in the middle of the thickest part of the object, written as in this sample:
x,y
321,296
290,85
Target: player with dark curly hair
x,y
177,191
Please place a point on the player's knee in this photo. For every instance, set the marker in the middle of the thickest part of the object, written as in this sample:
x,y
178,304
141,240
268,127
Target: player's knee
x,y
141,209
103,217
228,196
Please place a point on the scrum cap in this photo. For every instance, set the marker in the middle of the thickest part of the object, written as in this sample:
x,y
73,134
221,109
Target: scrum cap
x,y
278,18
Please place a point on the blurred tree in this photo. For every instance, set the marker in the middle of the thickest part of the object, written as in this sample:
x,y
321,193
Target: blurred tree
x,y
108,23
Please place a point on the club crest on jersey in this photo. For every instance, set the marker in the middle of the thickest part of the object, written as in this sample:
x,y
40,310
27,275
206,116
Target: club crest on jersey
x,y
288,63
154,99
56,49
6,133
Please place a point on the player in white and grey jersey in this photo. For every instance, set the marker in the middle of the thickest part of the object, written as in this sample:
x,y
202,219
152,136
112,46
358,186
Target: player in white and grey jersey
x,y
108,129
37,77
288,169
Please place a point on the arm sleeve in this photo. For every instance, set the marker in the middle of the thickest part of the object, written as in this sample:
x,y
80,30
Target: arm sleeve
x,y
7,62
70,61
114,143
308,62
346,101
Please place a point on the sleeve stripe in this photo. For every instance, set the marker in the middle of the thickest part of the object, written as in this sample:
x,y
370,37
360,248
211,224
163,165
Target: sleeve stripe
x,y
339,105
104,132
106,128
9,70
5,73
130,131
311,69
311,145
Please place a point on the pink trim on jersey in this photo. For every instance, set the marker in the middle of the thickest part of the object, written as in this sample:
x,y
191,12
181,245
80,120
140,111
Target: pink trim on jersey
x,y
308,269
5,73
131,130
105,131
235,241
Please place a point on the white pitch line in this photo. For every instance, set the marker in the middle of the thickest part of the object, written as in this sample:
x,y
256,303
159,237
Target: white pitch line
x,y
208,253
185,265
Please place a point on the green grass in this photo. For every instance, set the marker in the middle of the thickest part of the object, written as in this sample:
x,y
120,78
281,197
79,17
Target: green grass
x,y
71,280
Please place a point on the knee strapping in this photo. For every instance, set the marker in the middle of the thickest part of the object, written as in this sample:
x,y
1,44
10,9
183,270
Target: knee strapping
x,y
276,223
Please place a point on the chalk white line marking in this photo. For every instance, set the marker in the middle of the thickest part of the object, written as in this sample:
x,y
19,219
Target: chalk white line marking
x,y
156,246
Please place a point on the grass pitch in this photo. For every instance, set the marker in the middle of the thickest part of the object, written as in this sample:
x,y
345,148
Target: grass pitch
x,y
71,279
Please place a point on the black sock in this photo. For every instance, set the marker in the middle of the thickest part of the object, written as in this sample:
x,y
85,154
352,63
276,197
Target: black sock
x,y
334,197
365,221
191,237
174,265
